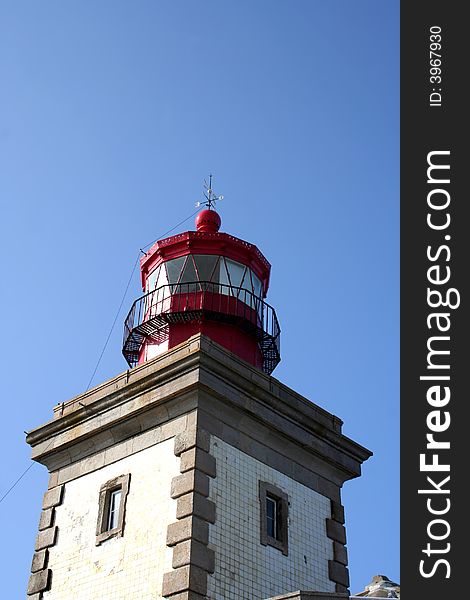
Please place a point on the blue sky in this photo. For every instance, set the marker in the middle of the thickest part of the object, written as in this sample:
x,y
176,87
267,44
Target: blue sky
x,y
111,115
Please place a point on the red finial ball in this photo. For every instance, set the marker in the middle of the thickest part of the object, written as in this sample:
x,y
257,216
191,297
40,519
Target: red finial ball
x,y
208,221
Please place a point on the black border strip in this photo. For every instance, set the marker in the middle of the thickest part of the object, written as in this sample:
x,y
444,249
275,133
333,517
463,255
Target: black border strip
x,y
434,131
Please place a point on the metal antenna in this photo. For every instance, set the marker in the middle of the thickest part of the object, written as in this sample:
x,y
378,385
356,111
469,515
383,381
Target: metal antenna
x,y
209,195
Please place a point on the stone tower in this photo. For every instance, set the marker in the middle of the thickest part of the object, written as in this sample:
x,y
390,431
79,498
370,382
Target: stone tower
x,y
194,474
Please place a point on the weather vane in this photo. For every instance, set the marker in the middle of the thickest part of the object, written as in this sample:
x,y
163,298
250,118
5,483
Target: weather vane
x,y
209,194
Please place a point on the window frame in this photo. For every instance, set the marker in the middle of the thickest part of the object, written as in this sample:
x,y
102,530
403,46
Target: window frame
x,y
281,541
106,493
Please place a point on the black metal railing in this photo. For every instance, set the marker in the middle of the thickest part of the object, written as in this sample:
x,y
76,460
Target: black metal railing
x,y
151,315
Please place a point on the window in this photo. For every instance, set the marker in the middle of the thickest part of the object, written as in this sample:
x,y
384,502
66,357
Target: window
x,y
188,277
205,264
173,268
111,510
272,514
257,285
274,507
114,509
206,267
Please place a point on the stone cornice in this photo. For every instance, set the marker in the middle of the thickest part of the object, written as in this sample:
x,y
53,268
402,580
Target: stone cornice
x,y
177,381
275,399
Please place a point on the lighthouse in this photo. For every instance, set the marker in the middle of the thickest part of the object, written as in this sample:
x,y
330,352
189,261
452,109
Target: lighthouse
x,y
195,474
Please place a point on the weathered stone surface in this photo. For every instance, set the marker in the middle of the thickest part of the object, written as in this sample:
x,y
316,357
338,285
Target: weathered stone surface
x,y
146,439
46,519
46,538
175,581
195,458
110,455
39,561
335,531
137,444
195,504
38,581
337,511
188,528
173,427
53,497
191,481
289,458
338,573
53,480
341,589
192,552
185,578
187,596
192,437
340,553
145,521
37,596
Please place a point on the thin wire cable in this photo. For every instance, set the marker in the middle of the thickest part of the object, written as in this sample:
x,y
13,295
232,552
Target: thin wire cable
x,y
23,474
12,487
114,323
173,228
16,482
125,294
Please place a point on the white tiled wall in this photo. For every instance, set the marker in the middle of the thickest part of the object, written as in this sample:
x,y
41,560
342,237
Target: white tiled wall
x,y
127,568
245,569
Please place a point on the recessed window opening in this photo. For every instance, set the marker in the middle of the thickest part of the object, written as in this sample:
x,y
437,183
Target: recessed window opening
x,y
112,508
274,506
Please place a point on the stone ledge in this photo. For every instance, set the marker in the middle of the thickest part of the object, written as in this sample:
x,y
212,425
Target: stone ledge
x,y
340,554
39,561
276,451
46,519
39,581
337,512
192,552
62,442
186,371
196,458
335,531
191,481
53,497
195,504
46,538
107,456
338,573
188,578
187,528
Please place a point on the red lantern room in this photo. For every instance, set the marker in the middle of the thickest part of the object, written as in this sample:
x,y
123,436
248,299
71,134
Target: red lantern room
x,y
207,282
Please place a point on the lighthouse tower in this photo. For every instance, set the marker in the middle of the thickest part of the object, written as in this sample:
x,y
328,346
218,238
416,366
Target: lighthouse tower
x,y
194,474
